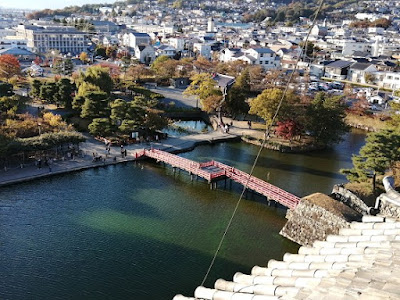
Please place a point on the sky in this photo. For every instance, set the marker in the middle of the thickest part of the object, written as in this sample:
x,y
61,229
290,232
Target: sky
x,y
52,4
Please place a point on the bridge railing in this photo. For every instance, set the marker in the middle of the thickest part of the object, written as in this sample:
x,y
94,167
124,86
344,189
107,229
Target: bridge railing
x,y
253,183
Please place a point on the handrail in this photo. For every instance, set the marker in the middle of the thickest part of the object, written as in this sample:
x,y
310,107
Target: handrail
x,y
199,169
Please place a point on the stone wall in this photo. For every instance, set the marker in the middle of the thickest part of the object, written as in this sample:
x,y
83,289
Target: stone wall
x,y
350,199
315,217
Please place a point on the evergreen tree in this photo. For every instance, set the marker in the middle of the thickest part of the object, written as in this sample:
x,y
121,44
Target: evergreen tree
x,y
235,102
63,95
48,92
100,127
95,105
381,151
35,88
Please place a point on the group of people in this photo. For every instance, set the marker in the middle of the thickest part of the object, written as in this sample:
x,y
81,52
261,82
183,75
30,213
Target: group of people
x,y
46,163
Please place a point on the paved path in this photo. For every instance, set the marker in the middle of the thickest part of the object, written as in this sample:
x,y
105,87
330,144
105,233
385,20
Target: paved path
x,y
85,161
176,95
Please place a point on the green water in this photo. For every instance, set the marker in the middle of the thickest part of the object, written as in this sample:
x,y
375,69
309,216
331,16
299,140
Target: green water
x,y
141,232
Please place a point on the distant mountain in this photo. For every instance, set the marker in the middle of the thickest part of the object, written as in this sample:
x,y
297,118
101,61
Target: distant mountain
x,y
281,11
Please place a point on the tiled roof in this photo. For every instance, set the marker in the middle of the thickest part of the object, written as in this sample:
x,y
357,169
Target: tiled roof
x,y
361,262
263,50
16,51
339,64
360,66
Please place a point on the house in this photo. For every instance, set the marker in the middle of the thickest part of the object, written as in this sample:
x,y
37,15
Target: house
x,y
338,69
134,39
359,71
390,80
180,82
224,82
145,53
261,56
166,50
110,40
20,54
202,49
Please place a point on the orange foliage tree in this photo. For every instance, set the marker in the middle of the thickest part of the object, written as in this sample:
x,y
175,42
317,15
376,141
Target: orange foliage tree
x,y
9,66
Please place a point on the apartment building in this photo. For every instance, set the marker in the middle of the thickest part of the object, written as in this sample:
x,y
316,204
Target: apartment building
x,y
62,38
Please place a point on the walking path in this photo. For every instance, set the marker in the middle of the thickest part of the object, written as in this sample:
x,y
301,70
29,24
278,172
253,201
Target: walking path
x,y
85,161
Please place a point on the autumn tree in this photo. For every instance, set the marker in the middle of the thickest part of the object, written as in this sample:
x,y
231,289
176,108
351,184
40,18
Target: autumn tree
x,y
164,67
202,64
137,72
325,119
9,66
288,129
83,57
204,87
265,105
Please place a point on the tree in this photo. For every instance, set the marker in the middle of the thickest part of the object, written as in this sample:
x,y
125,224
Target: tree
x,y
9,66
203,64
48,91
177,4
63,66
379,154
100,127
236,99
394,122
369,78
101,50
266,104
97,76
35,88
158,62
6,89
64,93
325,119
204,87
83,57
119,109
309,49
288,129
95,105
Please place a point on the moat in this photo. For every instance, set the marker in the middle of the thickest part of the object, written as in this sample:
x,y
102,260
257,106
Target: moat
x,y
137,231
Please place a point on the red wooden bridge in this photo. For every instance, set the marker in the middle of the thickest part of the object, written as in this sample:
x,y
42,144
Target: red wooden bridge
x,y
213,171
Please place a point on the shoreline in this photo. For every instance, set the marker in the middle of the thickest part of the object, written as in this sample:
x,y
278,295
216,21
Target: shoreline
x,y
172,145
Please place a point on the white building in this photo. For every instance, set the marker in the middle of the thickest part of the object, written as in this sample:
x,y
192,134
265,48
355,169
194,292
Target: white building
x,y
62,38
145,53
134,39
390,80
166,50
177,43
263,57
202,49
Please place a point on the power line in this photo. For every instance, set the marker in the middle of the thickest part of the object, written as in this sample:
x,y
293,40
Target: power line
x,y
266,137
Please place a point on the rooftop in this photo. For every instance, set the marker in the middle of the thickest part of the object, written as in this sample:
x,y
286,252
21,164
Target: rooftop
x,y
361,262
